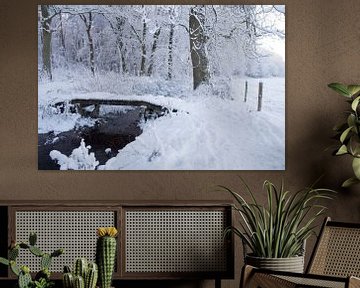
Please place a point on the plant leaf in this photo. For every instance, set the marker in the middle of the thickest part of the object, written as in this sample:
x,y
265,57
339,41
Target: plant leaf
x,y
340,88
345,134
356,167
4,261
353,89
349,182
342,150
355,103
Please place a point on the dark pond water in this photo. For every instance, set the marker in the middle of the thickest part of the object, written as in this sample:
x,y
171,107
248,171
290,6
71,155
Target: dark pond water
x,y
112,130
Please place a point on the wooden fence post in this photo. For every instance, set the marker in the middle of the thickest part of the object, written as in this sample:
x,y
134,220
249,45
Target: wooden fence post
x,y
246,90
260,95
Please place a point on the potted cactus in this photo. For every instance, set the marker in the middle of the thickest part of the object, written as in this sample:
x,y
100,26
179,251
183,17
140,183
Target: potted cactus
x,y
42,278
106,254
84,275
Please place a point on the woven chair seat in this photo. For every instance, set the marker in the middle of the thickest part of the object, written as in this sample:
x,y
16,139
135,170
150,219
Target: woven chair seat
x,y
335,262
314,282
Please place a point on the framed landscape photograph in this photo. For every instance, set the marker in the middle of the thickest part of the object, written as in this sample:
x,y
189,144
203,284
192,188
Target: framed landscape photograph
x,y
170,87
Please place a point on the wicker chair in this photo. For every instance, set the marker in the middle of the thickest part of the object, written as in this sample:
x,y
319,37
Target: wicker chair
x,y
334,263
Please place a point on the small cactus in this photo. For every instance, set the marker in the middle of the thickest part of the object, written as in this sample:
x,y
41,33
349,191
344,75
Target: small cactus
x,y
14,268
13,253
80,268
106,254
79,282
57,252
44,273
89,272
91,276
45,261
24,278
24,246
36,251
32,238
67,269
68,280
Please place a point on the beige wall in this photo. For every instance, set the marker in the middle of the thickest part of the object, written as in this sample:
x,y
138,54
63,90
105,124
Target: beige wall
x,y
322,46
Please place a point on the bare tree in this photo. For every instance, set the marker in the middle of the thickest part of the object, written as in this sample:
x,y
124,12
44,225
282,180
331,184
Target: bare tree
x,y
88,21
198,38
170,51
153,50
48,12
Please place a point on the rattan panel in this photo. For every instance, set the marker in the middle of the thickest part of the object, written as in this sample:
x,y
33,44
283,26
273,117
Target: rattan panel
x,y
312,282
75,231
175,241
338,253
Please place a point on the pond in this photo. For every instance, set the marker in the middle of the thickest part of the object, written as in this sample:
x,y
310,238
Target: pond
x,y
114,129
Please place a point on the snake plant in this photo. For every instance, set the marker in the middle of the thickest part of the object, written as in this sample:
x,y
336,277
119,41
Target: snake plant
x,y
348,132
279,228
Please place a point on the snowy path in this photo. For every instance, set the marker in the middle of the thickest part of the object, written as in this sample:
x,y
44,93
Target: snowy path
x,y
207,132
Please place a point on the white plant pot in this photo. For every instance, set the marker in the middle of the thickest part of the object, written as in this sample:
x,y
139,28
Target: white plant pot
x,y
291,264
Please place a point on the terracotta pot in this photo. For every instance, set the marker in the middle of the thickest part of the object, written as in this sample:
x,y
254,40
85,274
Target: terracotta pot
x,y
291,264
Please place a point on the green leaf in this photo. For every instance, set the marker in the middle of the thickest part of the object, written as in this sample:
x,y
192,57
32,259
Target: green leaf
x,y
340,88
354,145
342,150
353,89
349,182
351,120
4,261
14,268
355,103
345,134
356,167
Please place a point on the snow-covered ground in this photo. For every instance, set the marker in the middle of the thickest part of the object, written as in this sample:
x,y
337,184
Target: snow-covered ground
x,y
206,132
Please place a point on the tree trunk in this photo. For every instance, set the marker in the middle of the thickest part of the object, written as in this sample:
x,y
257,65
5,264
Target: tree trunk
x,y
91,45
88,25
153,49
170,51
62,34
46,36
198,38
122,57
143,49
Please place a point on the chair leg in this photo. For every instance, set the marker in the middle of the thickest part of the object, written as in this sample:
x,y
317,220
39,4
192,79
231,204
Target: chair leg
x,y
246,274
217,282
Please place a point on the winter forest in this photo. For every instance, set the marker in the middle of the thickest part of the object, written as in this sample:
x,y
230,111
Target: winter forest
x,y
170,87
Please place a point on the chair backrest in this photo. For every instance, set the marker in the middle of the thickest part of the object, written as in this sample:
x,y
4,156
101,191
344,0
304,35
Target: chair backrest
x,y
337,251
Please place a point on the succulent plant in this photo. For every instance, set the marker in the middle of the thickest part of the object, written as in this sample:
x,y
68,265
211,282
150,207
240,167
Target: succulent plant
x,y
85,275
91,276
79,282
42,278
279,228
348,133
80,268
106,254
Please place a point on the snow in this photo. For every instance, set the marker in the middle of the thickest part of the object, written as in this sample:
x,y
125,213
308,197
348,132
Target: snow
x,y
206,132
80,158
210,133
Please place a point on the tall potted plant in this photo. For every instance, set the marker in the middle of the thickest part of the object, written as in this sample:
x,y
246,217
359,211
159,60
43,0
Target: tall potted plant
x,y
276,233
348,132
